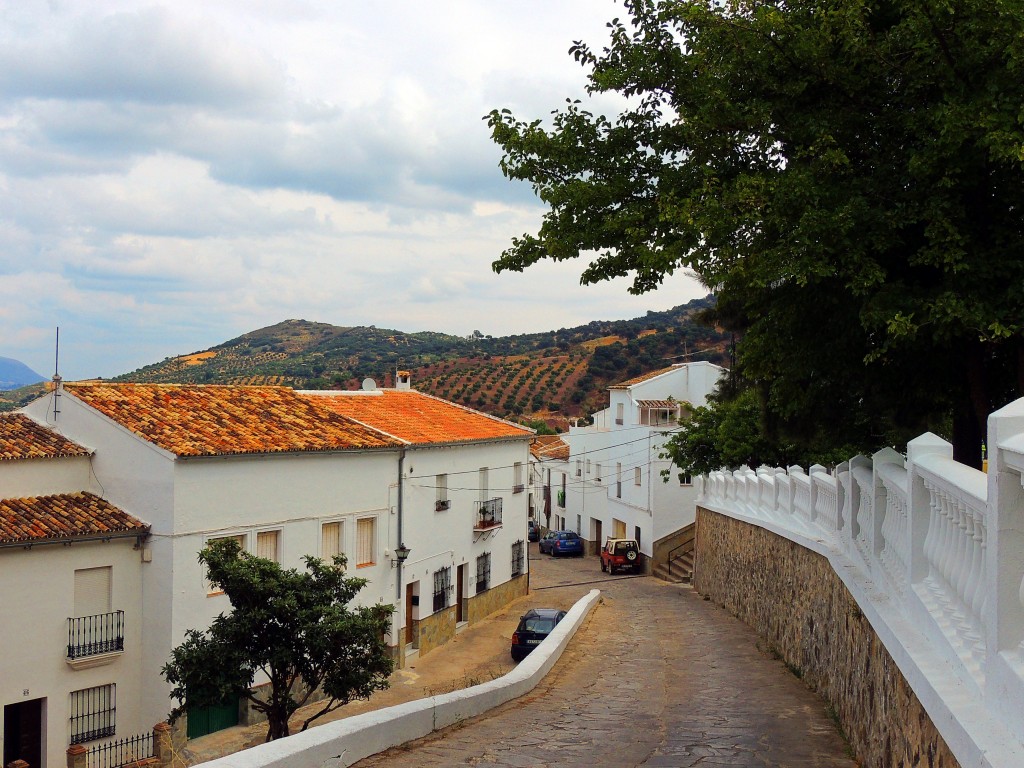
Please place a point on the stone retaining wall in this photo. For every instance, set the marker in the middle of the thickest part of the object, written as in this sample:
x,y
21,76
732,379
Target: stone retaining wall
x,y
805,615
494,599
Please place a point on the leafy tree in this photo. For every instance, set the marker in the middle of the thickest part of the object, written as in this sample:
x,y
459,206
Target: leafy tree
x,y
295,628
846,175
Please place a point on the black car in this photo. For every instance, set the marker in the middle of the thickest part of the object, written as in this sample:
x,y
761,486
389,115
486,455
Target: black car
x,y
534,626
533,531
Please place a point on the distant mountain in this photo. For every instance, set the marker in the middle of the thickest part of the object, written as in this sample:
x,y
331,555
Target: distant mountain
x,y
552,376
15,374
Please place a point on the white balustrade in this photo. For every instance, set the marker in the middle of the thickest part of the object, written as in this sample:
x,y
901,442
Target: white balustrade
x,y
942,542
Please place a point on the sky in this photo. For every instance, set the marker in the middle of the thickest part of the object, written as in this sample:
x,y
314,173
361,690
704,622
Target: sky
x,y
174,175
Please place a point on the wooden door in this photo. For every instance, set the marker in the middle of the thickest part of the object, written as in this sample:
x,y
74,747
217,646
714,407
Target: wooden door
x,y
23,732
460,583
409,602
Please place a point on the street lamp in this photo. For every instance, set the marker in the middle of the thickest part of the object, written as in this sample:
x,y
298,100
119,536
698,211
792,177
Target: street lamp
x,y
401,555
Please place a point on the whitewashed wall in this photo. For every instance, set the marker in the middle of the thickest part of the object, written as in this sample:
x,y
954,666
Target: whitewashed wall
x,y
933,552
38,599
25,478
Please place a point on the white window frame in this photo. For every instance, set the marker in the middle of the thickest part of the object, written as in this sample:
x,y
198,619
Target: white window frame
x,y
340,522
277,543
638,475
241,537
373,542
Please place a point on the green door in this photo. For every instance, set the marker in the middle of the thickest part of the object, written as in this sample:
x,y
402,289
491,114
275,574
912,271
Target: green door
x,y
204,720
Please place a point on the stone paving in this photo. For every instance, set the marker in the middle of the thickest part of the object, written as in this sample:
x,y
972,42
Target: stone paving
x,y
656,677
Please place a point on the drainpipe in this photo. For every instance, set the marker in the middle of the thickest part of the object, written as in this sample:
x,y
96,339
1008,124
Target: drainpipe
x,y
398,586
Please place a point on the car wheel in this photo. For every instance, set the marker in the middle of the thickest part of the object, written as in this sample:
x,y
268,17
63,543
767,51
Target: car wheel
x,y
611,568
631,555
603,568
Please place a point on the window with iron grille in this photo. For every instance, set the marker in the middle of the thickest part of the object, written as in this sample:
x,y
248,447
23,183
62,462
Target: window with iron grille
x,y
442,586
93,713
483,572
518,560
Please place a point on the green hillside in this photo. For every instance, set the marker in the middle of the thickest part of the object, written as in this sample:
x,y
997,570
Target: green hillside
x,y
552,376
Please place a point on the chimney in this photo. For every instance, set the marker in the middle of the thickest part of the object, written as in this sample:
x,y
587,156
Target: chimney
x,y
403,380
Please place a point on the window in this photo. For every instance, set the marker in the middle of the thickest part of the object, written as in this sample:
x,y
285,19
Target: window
x,y
331,541
241,538
483,484
483,572
93,713
266,545
92,590
518,559
685,478
441,501
597,474
618,413
637,474
442,586
588,466
618,480
579,468
517,477
366,541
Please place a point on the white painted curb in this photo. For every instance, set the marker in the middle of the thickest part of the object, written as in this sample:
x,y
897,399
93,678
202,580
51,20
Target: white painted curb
x,y
344,742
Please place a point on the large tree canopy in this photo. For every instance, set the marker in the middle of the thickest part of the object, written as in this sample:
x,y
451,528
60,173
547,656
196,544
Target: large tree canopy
x,y
295,628
847,176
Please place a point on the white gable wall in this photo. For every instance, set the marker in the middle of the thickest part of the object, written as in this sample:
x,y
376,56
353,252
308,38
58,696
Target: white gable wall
x,y
25,478
38,599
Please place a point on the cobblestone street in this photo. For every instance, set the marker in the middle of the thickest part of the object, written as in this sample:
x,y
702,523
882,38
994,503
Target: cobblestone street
x,y
656,677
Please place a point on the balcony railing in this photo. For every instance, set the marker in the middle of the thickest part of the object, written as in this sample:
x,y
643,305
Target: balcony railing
x,y
488,514
93,635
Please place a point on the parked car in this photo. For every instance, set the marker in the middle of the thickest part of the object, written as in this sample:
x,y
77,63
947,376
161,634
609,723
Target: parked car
x,y
533,530
546,540
562,543
534,626
620,553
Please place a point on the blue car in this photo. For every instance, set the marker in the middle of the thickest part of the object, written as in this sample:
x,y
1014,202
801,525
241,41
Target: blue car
x,y
562,543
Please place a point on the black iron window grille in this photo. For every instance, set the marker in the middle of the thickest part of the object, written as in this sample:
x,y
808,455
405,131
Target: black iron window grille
x,y
442,586
93,635
518,559
488,513
93,713
483,572
126,751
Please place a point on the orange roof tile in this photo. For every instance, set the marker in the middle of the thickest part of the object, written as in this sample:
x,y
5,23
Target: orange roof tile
x,y
22,438
63,516
643,377
198,420
417,418
550,447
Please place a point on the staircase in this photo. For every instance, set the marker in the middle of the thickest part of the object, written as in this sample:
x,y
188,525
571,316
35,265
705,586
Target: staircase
x,y
674,556
678,570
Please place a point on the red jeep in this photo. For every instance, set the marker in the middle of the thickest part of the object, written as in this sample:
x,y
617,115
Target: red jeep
x,y
620,553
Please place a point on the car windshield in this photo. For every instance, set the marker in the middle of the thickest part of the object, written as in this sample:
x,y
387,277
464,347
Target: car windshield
x,y
568,535
624,546
538,625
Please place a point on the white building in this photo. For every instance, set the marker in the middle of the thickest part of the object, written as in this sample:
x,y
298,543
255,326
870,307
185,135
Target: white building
x,y
549,477
70,576
290,475
616,486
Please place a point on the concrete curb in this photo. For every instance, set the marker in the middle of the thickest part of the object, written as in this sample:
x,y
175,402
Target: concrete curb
x,y
344,742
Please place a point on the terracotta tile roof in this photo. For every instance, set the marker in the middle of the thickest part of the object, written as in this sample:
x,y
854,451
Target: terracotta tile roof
x,y
197,420
63,516
643,377
549,447
22,438
417,418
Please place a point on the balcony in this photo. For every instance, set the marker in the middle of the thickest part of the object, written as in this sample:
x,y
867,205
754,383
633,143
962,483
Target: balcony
x,y
488,514
518,488
95,640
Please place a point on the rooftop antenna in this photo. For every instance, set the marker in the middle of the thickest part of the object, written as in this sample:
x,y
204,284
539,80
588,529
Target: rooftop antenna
x,y
56,376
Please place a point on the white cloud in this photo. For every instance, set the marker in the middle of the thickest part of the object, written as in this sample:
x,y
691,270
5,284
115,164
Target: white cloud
x,y
176,174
